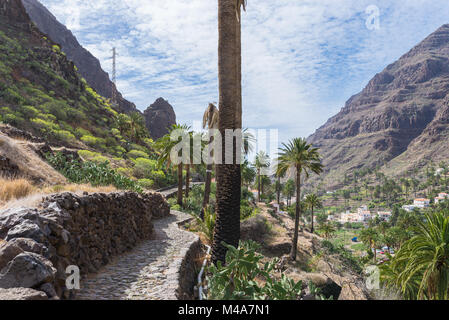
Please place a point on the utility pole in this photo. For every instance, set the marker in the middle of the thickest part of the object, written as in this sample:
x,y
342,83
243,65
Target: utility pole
x,y
114,77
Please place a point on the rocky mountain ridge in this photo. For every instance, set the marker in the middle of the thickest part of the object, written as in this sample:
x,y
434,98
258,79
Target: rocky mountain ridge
x,y
90,68
399,121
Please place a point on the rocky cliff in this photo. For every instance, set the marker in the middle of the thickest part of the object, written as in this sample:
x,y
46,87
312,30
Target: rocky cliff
x,y
399,120
159,117
88,66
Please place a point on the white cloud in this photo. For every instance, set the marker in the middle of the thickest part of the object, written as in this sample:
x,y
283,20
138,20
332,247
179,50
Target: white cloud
x,y
301,59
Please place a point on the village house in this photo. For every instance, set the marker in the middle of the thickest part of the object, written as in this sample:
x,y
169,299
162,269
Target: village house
x,y
422,203
441,197
386,215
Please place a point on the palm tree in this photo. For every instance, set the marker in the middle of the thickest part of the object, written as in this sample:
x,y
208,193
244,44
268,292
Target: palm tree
x,y
123,123
262,161
137,127
302,157
164,147
313,202
289,190
210,120
227,227
248,173
328,229
278,188
370,237
420,268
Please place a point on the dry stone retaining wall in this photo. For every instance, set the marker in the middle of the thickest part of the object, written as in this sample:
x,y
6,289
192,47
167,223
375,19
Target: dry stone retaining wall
x,y
86,231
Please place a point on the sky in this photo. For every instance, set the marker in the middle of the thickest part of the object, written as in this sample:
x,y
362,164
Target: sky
x,y
301,59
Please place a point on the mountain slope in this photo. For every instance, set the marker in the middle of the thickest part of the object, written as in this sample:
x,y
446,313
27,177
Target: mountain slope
x,y
41,91
399,120
157,119
88,66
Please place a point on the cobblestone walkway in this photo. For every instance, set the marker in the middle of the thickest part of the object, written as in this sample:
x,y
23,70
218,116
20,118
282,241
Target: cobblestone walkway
x,y
149,272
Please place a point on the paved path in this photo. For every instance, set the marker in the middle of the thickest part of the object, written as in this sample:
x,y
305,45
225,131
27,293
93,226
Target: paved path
x,y
149,272
171,192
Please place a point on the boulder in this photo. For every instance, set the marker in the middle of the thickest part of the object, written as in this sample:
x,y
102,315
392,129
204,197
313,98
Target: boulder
x,y
26,229
27,270
15,216
8,251
49,290
22,294
30,245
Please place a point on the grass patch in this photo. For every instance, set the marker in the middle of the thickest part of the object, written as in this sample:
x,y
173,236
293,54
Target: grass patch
x,y
12,189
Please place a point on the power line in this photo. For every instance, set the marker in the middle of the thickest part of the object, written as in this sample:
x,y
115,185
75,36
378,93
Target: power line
x,y
114,77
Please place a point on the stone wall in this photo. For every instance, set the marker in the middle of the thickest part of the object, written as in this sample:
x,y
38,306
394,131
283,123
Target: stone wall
x,y
86,231
189,270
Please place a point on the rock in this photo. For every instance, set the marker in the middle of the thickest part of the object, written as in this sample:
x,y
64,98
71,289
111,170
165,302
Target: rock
x,y
15,216
159,117
22,294
280,248
26,229
49,289
30,245
8,251
327,286
88,66
27,270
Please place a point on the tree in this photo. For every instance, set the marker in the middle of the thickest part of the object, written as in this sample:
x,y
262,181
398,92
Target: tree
x,y
164,147
210,121
302,157
138,130
248,173
328,229
370,237
420,268
262,161
227,227
289,190
278,188
313,202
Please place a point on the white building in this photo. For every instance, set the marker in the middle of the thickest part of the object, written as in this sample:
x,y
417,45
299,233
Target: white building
x,y
409,208
441,197
422,203
386,215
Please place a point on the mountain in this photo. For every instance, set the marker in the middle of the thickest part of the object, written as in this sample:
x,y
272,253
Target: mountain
x,y
159,117
88,66
399,121
42,92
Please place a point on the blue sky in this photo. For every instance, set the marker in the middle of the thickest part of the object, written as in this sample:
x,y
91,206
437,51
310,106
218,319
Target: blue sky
x,y
302,59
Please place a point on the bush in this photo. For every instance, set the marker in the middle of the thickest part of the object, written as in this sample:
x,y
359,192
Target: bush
x,y
134,154
91,172
143,167
237,279
146,183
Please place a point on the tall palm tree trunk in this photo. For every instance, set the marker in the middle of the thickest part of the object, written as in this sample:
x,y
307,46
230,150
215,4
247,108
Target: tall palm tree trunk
x,y
180,184
298,213
258,185
312,220
187,180
227,226
207,189
279,191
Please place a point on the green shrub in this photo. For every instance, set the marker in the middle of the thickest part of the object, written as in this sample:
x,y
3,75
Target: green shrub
x,y
236,280
146,183
134,154
91,172
65,136
143,167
